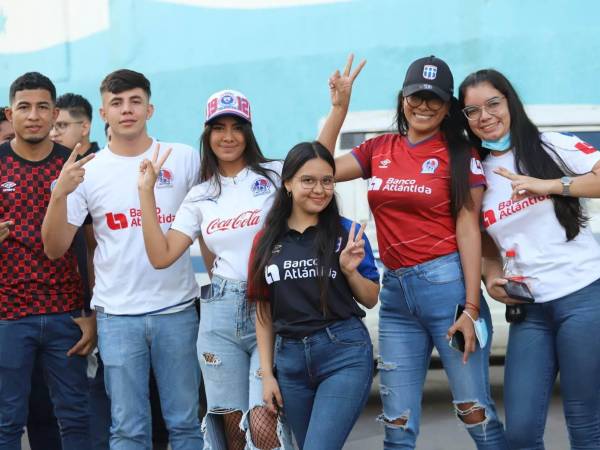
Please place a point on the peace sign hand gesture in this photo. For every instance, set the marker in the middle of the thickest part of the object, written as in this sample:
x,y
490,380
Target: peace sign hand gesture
x,y
524,186
340,85
354,252
150,169
71,174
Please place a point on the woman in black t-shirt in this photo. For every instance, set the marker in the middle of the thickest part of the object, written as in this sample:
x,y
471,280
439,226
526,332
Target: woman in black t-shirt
x,y
307,271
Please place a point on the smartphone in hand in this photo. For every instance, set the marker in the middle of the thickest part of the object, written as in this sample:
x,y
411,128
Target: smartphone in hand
x,y
519,291
458,339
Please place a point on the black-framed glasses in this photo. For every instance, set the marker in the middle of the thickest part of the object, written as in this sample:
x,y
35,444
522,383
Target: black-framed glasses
x,y
309,182
493,106
62,126
433,102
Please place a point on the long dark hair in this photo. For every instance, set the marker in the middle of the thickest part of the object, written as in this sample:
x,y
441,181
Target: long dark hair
x,y
532,155
453,128
253,156
328,228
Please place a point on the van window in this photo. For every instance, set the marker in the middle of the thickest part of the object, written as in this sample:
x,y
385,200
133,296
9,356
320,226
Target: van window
x,y
350,140
591,137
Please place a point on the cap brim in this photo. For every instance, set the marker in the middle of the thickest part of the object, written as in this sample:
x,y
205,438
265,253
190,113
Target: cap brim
x,y
414,88
227,112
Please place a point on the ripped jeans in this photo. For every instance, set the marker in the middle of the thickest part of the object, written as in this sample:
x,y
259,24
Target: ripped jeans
x,y
229,361
417,308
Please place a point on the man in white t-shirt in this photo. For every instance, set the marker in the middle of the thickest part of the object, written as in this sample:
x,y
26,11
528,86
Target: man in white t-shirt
x,y
146,317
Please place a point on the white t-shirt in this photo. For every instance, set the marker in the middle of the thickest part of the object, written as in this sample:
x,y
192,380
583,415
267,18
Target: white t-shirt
x,y
126,282
228,222
553,267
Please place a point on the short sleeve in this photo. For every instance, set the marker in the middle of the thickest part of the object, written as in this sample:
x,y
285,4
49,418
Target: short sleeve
x,y
367,267
363,154
579,156
476,174
188,219
77,208
193,169
275,167
255,293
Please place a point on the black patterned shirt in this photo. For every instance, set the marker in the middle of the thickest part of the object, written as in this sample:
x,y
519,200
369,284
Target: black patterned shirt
x,y
30,283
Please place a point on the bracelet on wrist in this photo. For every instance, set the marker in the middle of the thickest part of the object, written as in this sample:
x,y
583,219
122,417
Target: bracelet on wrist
x,y
473,306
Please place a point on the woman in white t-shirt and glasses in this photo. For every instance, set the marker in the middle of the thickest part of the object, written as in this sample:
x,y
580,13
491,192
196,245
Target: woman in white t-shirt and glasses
x,y
225,211
535,182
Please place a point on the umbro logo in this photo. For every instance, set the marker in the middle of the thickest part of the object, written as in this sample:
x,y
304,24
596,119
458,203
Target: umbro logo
x,y
384,164
8,186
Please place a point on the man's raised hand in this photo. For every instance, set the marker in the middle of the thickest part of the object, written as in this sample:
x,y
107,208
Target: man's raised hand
x,y
72,173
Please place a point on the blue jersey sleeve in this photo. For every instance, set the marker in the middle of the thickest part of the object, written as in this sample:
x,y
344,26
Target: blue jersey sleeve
x,y
367,268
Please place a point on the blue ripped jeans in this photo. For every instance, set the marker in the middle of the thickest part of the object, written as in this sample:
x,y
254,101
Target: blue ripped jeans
x,y
558,336
417,308
229,361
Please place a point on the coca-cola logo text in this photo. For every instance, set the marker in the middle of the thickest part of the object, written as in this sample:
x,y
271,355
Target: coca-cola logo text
x,y
245,219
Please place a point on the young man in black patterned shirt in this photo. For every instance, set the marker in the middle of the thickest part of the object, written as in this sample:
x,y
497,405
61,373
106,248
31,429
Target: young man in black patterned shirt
x,y
41,300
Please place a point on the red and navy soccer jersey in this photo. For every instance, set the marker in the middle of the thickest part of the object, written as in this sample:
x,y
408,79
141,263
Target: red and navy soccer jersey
x,y
409,195
30,283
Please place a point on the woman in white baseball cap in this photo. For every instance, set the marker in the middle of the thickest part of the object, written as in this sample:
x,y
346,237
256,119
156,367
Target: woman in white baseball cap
x,y
224,212
425,189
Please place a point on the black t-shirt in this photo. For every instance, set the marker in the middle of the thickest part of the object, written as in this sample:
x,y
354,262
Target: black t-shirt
x,y
293,285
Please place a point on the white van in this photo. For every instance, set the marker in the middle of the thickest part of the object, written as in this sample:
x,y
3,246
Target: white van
x,y
582,120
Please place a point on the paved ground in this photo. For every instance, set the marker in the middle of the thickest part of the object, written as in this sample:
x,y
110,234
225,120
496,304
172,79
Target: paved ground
x,y
439,428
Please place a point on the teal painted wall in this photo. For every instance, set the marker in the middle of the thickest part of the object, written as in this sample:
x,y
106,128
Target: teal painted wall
x,y
281,57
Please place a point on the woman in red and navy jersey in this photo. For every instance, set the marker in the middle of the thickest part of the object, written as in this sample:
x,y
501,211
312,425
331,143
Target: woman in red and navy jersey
x,y
425,190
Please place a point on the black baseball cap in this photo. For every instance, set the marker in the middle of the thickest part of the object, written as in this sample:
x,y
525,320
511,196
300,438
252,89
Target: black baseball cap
x,y
429,74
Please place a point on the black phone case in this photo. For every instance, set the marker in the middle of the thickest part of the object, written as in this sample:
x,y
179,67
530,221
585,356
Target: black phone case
x,y
458,339
519,291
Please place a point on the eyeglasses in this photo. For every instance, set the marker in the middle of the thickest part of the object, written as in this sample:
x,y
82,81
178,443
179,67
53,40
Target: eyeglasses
x,y
493,106
433,102
308,182
62,126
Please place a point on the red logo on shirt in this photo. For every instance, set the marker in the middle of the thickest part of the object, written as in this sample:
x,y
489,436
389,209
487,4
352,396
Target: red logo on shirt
x,y
489,218
116,221
585,147
508,208
245,219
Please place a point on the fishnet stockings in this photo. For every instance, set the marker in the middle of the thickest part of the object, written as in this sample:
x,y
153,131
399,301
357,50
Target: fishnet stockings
x,y
263,428
233,434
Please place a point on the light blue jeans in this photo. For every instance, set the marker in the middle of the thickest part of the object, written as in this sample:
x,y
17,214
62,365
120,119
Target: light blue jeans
x,y
417,308
558,336
229,361
128,344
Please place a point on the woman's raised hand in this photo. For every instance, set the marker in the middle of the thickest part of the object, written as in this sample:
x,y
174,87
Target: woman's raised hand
x,y
354,252
340,84
150,169
524,186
